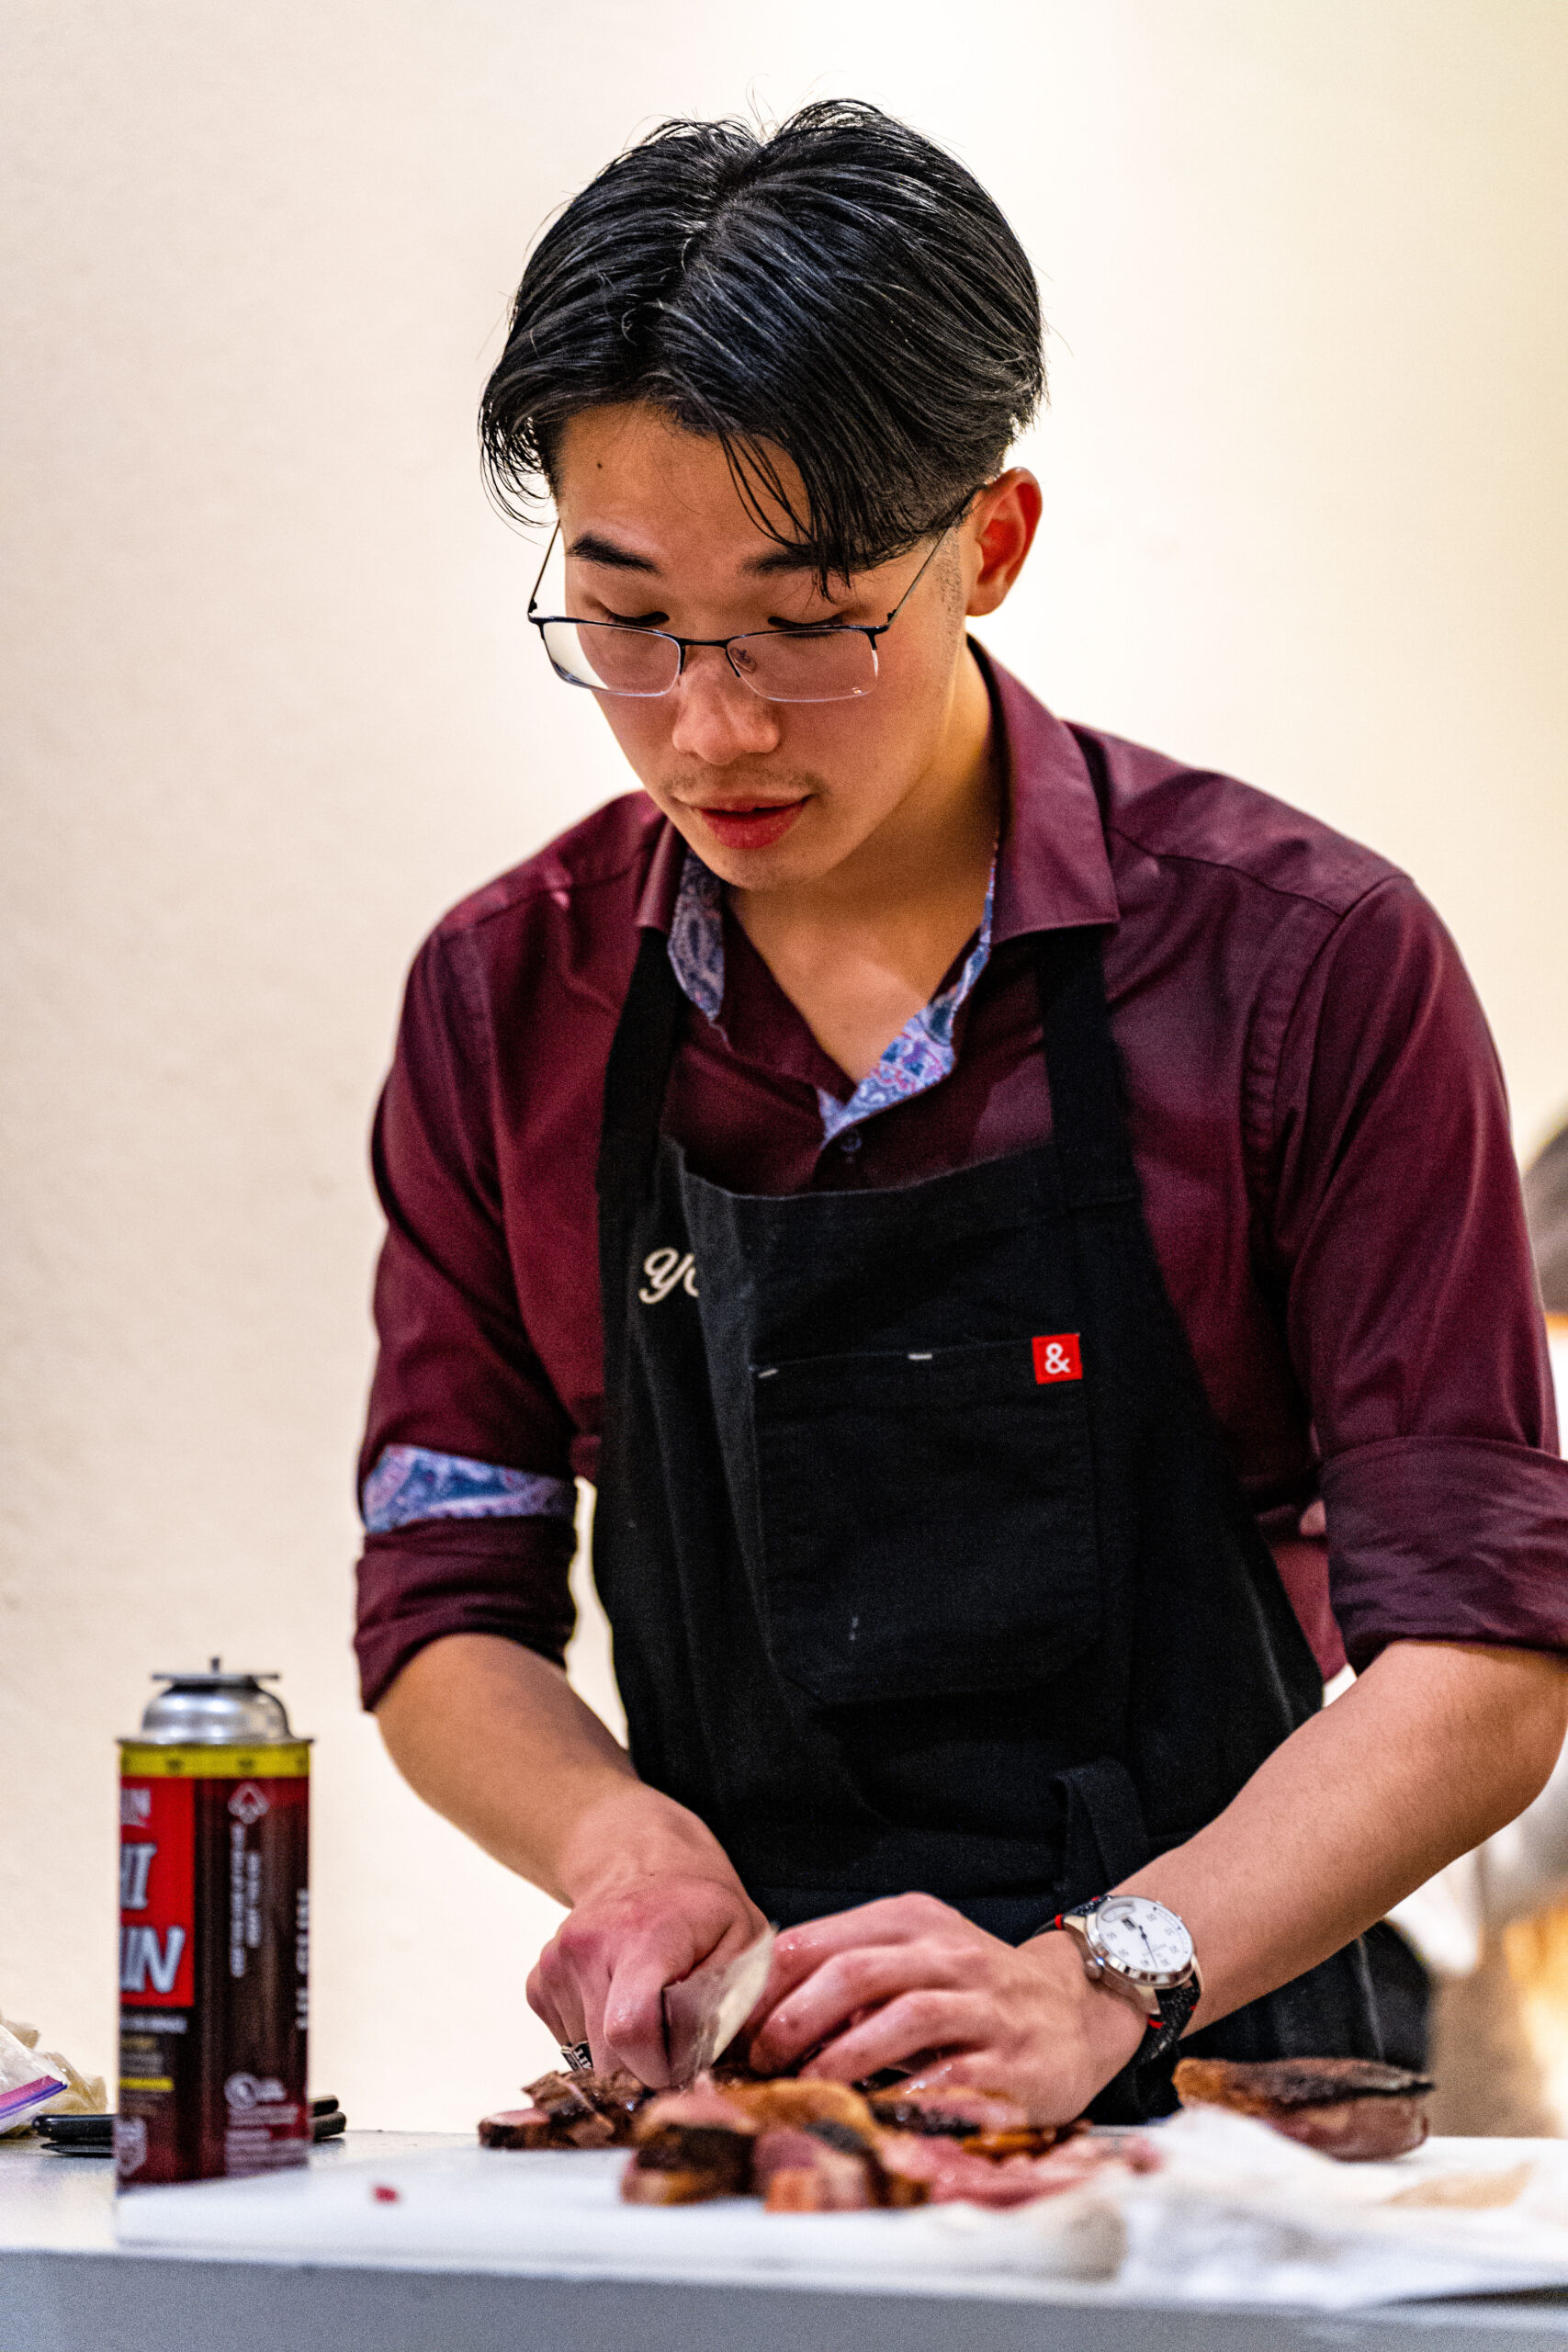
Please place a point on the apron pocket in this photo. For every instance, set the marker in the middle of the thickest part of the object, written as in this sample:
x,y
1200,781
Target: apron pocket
x,y
928,1522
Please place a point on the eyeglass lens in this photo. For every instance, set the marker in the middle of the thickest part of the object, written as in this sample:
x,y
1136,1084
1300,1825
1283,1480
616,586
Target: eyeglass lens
x,y
832,665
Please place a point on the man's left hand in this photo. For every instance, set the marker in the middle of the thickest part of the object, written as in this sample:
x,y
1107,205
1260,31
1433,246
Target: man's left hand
x,y
910,1979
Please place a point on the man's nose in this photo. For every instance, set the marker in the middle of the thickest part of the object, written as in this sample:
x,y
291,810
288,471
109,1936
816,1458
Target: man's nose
x,y
717,719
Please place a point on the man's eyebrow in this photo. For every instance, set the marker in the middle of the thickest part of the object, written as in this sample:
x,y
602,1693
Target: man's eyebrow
x,y
797,557
589,548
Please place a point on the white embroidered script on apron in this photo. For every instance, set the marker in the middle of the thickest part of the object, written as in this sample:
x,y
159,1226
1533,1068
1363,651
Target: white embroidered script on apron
x,y
668,1270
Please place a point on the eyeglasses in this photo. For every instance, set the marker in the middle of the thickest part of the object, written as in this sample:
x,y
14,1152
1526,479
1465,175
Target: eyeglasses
x,y
831,663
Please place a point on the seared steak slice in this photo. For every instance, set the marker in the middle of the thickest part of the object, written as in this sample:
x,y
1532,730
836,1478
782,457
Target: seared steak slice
x,y
1354,2108
700,2138
957,2113
988,2123
791,2102
953,2174
516,2127
590,2111
805,2170
640,2187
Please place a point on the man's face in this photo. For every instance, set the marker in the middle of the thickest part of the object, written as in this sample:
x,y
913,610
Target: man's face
x,y
768,795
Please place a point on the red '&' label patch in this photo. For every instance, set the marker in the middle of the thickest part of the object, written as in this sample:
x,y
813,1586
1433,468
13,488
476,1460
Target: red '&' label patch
x,y
1057,1357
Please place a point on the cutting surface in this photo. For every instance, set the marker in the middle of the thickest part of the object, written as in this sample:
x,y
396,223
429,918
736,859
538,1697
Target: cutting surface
x,y
67,2286
559,2211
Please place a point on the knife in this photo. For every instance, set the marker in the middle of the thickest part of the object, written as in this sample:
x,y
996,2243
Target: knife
x,y
704,2011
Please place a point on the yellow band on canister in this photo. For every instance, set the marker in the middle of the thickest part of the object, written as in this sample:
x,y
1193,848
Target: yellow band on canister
x,y
287,1759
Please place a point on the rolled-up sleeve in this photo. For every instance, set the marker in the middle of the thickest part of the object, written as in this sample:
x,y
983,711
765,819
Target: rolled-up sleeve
x,y
456,1379
1412,1306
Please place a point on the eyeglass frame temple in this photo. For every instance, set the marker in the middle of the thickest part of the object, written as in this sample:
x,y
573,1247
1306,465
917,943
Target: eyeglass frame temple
x,y
871,630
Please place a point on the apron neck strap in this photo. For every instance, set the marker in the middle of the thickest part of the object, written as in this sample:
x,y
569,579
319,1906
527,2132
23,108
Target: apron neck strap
x,y
1089,1111
638,1071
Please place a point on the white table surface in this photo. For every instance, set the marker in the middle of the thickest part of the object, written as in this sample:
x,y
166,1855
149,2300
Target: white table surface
x,y
67,2286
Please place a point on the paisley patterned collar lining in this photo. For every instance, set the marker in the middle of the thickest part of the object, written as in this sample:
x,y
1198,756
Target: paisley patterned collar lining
x,y
919,1055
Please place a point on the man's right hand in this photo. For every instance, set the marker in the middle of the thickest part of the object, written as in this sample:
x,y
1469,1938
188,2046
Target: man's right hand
x,y
601,1978
496,1738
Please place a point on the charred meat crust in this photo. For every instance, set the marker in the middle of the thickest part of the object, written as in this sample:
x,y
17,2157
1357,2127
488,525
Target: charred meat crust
x,y
640,2187
928,2123
722,2157
805,2147
1353,2109
516,2127
1257,2086
790,2100
695,2136
985,2123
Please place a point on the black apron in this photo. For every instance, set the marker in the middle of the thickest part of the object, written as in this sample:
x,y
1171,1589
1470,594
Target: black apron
x,y
925,1563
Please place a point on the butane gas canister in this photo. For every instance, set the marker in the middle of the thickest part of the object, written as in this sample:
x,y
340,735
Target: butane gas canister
x,y
214,1934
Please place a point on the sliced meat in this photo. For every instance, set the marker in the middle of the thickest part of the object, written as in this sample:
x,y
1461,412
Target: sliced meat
x,y
791,2101
1270,2084
642,2188
590,2111
516,2127
955,2175
801,2171
1354,2108
949,2174
1357,2130
705,2105
719,2156
700,2137
950,2114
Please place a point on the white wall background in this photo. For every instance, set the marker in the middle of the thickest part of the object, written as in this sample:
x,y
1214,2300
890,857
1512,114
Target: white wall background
x,y
270,709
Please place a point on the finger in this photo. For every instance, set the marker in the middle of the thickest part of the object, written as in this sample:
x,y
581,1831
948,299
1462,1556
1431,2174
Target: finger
x,y
893,1919
625,2025
936,2070
543,2007
553,1993
575,1972
916,2023
827,2002
632,2028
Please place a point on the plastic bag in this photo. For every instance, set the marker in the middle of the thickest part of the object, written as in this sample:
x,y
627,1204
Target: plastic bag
x,y
28,2082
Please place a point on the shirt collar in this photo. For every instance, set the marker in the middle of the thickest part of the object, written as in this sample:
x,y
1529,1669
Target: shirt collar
x,y
920,1056
1054,869
1052,866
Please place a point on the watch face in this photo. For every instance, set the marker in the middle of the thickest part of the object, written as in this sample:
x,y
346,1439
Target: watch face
x,y
1141,1938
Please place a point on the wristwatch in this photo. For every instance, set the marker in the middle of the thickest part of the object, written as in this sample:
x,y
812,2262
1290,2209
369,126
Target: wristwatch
x,y
1138,1950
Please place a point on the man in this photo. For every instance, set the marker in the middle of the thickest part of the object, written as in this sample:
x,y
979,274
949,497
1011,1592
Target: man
x,y
949,1177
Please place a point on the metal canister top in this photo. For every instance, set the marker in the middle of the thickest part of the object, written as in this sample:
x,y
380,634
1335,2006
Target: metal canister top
x,y
214,1709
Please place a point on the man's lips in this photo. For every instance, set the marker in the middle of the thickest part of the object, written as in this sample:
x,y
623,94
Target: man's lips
x,y
740,825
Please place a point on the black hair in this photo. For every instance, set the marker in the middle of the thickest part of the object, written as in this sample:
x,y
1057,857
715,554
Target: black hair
x,y
842,290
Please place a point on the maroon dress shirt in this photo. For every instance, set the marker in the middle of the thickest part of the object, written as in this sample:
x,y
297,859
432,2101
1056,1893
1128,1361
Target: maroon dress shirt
x,y
1317,1117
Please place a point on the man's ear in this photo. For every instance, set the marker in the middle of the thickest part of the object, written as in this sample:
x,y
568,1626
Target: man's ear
x,y
999,532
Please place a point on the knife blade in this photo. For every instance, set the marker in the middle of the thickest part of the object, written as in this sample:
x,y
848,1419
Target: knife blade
x,y
704,2011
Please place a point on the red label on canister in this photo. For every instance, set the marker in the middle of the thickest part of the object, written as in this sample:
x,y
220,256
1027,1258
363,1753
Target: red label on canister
x,y
157,1877
214,1960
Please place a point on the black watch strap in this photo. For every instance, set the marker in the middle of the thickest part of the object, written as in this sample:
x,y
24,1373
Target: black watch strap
x,y
1175,2002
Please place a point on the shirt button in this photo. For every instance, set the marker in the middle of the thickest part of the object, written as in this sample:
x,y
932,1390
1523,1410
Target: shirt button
x,y
850,1140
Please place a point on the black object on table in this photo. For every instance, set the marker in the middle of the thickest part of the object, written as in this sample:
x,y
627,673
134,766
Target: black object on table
x,y
92,2135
